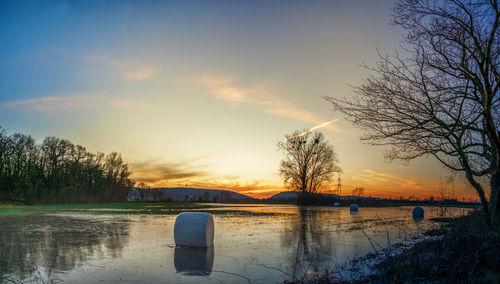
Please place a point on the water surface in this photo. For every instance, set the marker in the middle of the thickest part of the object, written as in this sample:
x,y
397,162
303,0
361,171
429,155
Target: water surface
x,y
253,244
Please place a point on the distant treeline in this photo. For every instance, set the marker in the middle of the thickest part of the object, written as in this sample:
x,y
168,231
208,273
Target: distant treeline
x,y
57,171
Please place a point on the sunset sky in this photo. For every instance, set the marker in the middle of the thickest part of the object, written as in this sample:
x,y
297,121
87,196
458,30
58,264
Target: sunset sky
x,y
202,91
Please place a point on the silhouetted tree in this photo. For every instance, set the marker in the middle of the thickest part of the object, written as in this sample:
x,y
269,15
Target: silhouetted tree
x,y
443,98
309,162
58,171
142,188
358,191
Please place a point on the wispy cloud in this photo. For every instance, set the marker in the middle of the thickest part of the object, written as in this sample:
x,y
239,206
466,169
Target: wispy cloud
x,y
385,180
50,103
313,128
223,89
126,68
261,96
157,173
72,102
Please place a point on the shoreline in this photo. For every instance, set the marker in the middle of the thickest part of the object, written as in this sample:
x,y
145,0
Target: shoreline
x,y
459,250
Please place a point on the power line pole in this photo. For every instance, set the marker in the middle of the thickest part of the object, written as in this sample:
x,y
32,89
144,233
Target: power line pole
x,y
339,186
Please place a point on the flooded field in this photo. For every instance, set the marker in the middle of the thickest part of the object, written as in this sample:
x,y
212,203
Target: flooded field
x,y
253,244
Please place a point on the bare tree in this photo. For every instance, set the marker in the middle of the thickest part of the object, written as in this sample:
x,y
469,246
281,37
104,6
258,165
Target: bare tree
x,y
143,190
309,162
442,99
358,191
58,171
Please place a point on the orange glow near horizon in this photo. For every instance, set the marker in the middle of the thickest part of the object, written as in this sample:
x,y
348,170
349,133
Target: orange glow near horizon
x,y
263,191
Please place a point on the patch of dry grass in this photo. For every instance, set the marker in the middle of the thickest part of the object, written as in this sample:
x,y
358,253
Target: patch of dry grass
x,y
467,253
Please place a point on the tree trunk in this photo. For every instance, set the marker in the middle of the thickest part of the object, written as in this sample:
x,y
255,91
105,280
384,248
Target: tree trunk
x,y
482,196
494,210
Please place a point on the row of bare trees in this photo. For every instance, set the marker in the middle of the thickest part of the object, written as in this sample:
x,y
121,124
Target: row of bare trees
x,y
57,171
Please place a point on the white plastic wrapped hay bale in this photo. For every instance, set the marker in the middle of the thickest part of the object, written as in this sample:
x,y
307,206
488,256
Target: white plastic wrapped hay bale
x,y
336,204
354,208
194,229
418,212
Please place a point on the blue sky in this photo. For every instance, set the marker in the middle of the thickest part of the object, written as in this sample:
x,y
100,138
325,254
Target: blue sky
x,y
199,91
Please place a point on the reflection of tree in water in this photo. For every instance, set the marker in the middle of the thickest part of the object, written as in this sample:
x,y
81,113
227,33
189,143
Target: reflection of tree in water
x,y
56,243
311,236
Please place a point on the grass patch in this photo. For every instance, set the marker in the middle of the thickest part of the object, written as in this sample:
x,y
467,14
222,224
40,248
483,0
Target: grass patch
x,y
461,250
127,208
467,253
401,204
442,219
110,208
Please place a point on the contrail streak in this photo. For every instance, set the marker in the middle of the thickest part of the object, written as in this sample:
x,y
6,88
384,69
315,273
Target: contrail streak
x,y
314,128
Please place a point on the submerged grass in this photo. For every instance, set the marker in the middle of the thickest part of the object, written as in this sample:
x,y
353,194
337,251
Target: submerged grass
x,y
442,219
113,208
125,208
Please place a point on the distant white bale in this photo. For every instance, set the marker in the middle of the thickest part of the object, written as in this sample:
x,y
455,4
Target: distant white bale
x,y
194,229
336,204
418,212
354,207
194,261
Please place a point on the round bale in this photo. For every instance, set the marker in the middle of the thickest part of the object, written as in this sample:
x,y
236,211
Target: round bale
x,y
194,229
336,204
418,212
354,207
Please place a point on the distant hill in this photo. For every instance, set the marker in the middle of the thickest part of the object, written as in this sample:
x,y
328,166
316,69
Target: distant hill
x,y
292,195
285,195
189,194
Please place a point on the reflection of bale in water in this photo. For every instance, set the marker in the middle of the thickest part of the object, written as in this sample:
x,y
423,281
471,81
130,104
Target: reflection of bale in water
x,y
194,261
56,243
417,220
